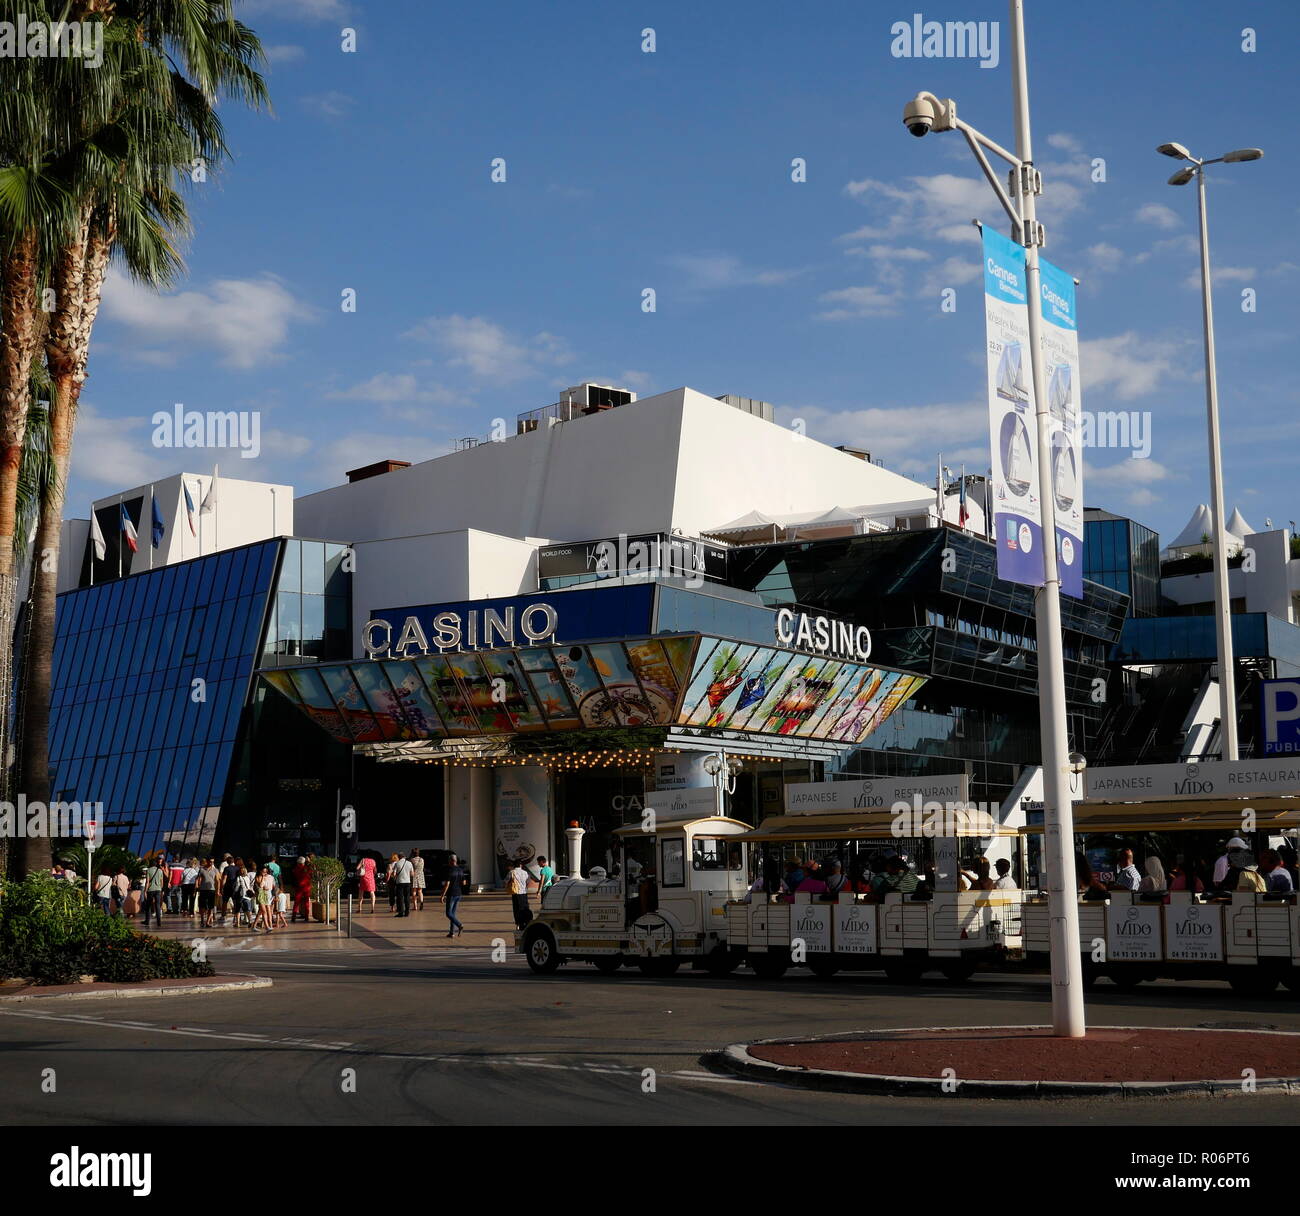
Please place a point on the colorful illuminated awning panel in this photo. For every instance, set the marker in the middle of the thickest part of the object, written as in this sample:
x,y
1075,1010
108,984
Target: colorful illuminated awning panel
x,y
685,680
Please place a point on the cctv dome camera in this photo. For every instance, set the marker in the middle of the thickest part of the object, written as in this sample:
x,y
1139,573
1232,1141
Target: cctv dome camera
x,y
918,116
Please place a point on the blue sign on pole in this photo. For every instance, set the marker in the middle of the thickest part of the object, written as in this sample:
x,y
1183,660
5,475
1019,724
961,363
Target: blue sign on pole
x,y
1279,717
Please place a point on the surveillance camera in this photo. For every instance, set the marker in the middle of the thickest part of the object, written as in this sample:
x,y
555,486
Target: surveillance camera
x,y
918,116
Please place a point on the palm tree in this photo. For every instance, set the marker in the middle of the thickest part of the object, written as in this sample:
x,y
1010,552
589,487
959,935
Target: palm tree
x,y
166,61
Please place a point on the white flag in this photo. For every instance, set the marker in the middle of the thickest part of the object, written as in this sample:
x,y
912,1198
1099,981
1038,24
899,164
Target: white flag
x,y
96,535
209,504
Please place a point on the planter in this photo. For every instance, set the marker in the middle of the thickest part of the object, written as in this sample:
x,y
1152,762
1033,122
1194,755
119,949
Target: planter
x,y
318,912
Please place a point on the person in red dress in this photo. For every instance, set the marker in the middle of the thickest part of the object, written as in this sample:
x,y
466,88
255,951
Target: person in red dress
x,y
301,889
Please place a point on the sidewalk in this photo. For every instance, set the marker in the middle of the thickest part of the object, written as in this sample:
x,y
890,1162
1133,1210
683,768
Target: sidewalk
x,y
485,917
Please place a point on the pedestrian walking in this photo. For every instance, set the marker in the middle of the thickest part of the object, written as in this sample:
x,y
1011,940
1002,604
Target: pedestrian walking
x,y
265,886
189,876
175,877
104,892
155,884
391,883
206,884
301,878
121,888
403,873
547,872
417,879
366,882
453,887
229,888
517,885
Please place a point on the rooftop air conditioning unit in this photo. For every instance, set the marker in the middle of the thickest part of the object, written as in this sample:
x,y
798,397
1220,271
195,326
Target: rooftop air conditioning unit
x,y
589,398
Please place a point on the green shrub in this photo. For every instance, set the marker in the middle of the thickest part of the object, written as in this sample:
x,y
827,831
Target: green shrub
x,y
325,869
49,934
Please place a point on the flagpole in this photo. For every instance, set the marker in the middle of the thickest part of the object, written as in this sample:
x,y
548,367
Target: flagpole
x,y
151,511
121,532
92,544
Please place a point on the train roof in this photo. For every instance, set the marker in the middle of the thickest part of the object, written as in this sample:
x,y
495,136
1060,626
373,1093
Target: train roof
x,y
844,826
664,823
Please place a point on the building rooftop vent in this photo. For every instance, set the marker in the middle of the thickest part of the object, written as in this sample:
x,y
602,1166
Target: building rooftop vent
x,y
377,469
576,402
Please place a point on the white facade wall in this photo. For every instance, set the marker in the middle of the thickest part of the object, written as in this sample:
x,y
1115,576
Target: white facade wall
x,y
678,460
246,511
436,568
1272,586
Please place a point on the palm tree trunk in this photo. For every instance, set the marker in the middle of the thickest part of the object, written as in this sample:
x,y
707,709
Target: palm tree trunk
x,y
79,280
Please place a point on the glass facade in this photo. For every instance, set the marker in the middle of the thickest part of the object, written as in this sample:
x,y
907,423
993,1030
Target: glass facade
x,y
1125,556
151,674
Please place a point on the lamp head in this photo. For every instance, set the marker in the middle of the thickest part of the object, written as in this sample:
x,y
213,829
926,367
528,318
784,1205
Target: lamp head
x,y
1183,176
1177,151
1243,154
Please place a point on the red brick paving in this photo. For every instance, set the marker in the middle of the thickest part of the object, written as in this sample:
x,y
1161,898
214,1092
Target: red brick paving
x,y
1027,1054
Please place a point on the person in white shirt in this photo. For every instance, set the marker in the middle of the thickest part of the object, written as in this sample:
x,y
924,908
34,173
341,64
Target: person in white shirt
x,y
1004,881
403,875
517,885
417,879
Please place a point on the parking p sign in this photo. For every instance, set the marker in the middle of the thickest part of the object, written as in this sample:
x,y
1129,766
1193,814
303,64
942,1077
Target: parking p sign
x,y
1279,713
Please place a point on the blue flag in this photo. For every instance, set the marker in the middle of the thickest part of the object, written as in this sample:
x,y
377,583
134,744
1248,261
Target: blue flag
x,y
158,528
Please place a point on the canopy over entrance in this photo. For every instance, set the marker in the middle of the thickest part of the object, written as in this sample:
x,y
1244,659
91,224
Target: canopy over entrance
x,y
689,688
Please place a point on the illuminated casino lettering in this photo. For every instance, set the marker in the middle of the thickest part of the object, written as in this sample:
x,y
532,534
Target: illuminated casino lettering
x,y
476,629
822,635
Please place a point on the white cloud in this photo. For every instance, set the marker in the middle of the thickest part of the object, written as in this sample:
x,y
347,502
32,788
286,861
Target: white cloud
x,y
1159,215
330,104
1105,257
715,271
284,54
864,301
891,253
1222,274
487,351
305,10
1129,364
395,388
116,452
905,436
245,320
941,206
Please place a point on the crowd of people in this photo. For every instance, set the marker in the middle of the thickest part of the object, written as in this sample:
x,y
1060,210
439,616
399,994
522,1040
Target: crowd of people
x,y
1236,868
215,892
877,876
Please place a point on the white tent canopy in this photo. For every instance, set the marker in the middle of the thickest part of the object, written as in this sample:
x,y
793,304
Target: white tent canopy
x,y
1238,526
1198,527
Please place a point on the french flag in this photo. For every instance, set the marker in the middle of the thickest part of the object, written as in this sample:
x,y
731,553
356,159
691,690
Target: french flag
x,y
128,529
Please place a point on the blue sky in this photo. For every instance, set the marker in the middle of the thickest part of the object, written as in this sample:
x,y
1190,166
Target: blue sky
x,y
671,170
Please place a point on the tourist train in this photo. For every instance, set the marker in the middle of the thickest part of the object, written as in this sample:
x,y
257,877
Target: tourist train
x,y
681,896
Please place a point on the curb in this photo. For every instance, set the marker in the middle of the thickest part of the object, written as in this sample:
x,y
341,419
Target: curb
x,y
233,984
736,1058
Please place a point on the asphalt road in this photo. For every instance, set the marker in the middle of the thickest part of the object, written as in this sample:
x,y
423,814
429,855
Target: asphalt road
x,y
450,1037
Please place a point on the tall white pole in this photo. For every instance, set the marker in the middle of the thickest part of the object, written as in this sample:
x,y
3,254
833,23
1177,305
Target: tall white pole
x,y
1222,603
1058,811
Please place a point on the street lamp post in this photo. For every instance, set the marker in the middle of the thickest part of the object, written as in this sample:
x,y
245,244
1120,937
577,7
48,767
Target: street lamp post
x,y
1222,603
924,113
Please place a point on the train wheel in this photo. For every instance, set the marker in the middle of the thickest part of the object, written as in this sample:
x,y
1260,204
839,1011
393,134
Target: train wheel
x,y
822,968
541,952
768,967
902,971
1254,982
1292,980
958,972
607,964
658,968
1090,974
721,962
1126,981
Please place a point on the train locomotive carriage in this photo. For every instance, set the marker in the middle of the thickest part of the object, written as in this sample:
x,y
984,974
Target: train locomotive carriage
x,y
667,906
679,899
